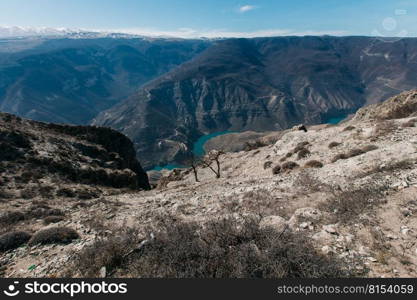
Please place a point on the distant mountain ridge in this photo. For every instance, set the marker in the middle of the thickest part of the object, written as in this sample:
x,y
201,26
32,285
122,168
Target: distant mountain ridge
x,y
68,80
261,84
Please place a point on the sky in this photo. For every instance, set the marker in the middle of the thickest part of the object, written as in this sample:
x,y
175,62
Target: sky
x,y
218,18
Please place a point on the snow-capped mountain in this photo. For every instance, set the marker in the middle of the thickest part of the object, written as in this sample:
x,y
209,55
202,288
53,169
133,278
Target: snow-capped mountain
x,y
20,32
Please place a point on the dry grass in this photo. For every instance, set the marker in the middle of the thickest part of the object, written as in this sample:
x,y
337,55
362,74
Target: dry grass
x,y
383,128
388,168
54,235
313,164
347,206
276,170
106,252
267,164
354,152
349,128
289,165
300,146
224,248
13,240
53,219
409,123
303,153
260,202
334,145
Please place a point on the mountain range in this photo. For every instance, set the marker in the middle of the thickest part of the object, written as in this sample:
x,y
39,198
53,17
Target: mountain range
x,y
69,80
261,84
165,93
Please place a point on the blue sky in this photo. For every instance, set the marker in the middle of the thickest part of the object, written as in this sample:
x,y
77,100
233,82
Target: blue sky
x,y
191,18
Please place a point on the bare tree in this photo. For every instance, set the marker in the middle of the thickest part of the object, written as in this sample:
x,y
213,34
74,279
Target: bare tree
x,y
194,161
213,157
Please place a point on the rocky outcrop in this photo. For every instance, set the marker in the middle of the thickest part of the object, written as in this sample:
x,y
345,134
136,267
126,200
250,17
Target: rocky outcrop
x,y
262,84
34,152
397,107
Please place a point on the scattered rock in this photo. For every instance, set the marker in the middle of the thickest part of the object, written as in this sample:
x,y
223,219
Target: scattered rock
x,y
306,214
332,229
276,222
103,272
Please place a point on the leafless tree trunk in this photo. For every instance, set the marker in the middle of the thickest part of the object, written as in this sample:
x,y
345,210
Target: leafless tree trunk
x,y
194,162
213,156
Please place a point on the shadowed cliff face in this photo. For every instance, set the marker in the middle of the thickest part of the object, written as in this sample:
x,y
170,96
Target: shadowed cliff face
x,y
34,153
261,84
72,80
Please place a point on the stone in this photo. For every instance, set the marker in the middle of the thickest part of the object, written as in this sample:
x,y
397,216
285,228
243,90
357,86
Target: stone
x,y
276,222
304,225
323,237
363,250
103,272
332,229
404,230
327,249
391,236
405,212
306,214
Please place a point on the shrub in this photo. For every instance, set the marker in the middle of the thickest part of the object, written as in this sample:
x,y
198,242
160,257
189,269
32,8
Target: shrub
x,y
300,146
28,193
282,159
267,165
276,170
53,219
231,249
289,154
11,217
383,128
410,123
347,206
66,192
290,165
390,167
42,211
88,194
13,240
303,153
220,249
313,164
46,192
110,253
349,128
355,152
255,145
54,235
369,148
334,145
5,194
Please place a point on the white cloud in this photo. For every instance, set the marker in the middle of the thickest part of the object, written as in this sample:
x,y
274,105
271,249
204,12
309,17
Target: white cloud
x,y
246,8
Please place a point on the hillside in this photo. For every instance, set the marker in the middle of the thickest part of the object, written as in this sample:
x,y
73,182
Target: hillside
x,y
54,160
347,191
68,80
260,84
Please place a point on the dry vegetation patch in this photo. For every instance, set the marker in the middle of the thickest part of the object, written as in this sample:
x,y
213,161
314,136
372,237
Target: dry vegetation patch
x,y
13,240
224,248
54,235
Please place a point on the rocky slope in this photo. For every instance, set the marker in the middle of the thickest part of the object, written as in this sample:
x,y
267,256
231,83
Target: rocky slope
x,y
40,157
261,84
349,188
68,80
